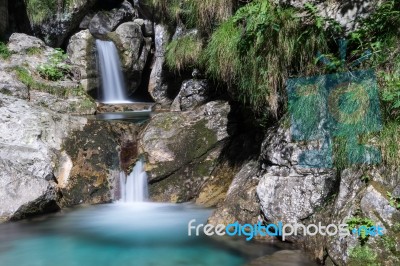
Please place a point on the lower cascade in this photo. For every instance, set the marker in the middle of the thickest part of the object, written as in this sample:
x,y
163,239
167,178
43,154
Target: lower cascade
x,y
133,188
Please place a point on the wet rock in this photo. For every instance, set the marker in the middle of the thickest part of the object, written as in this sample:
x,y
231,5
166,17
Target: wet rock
x,y
91,157
193,93
106,21
181,150
4,16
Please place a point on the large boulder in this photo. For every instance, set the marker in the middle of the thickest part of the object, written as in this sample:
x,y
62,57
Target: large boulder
x,y
30,137
182,149
106,21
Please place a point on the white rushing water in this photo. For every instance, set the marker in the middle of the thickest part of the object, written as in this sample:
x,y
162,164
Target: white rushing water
x,y
133,188
112,80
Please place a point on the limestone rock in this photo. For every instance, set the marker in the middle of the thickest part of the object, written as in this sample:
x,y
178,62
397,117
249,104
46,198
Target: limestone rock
x,y
288,192
30,137
193,93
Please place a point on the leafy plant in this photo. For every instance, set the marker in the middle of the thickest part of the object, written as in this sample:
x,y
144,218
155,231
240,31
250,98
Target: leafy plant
x,y
4,52
359,222
56,68
394,201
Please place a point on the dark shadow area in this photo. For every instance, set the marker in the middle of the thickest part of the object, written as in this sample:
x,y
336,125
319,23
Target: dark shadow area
x,y
18,18
245,136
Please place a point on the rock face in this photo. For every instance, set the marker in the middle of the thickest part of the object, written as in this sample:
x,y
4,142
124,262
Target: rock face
x,y
193,93
82,53
106,21
181,150
286,191
158,87
55,29
134,50
30,137
240,203
90,158
22,79
292,194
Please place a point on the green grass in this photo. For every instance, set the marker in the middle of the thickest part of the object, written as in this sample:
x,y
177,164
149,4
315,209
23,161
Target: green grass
x,y
4,52
265,44
33,50
363,255
26,77
184,53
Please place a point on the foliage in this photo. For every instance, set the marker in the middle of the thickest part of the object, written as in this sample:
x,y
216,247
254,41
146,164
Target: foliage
x,y
183,52
40,10
394,201
202,14
391,94
56,68
379,33
363,255
271,43
389,142
26,77
4,52
33,50
357,222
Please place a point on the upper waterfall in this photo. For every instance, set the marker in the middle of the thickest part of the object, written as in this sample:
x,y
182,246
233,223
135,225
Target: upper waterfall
x,y
112,80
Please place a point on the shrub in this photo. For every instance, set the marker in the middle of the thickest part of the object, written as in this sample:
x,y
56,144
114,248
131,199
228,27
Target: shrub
x,y
56,68
362,255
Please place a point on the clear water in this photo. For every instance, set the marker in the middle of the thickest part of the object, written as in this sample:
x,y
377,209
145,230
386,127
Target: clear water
x,y
133,188
117,234
112,79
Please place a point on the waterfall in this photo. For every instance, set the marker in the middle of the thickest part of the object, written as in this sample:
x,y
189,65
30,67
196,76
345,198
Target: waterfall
x,y
112,80
133,188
